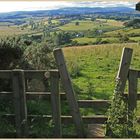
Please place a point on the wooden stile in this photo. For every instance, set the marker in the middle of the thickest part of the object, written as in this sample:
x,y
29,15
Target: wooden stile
x,y
20,96
20,103
66,81
55,101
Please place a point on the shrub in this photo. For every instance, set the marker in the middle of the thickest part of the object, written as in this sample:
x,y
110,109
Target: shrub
x,y
119,109
39,56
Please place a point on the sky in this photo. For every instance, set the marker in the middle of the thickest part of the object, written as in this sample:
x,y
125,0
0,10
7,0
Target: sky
x,y
10,6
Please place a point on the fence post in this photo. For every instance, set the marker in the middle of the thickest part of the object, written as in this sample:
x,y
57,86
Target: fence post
x,y
124,69
132,98
132,89
55,102
20,103
66,81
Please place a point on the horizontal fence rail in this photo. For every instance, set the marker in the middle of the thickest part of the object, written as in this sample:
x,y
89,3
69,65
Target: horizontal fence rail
x,y
97,119
47,96
37,74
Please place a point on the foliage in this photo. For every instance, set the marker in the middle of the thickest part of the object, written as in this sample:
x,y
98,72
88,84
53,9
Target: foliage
x,y
135,23
5,126
62,38
77,23
10,53
41,128
98,40
123,38
90,88
115,127
39,56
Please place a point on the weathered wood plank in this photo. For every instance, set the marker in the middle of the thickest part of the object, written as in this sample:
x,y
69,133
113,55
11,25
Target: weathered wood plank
x,y
93,103
36,74
55,103
97,119
132,90
123,69
5,74
46,96
66,81
20,103
100,119
138,74
132,97
96,131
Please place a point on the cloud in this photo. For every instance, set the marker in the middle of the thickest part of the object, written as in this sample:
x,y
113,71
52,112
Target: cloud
x,y
104,4
8,6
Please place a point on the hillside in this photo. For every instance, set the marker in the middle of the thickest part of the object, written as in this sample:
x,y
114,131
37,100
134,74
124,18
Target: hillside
x,y
94,68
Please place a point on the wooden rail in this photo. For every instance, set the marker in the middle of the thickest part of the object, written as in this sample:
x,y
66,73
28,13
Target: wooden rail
x,y
29,74
95,119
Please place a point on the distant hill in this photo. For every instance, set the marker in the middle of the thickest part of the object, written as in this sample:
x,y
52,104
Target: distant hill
x,y
66,11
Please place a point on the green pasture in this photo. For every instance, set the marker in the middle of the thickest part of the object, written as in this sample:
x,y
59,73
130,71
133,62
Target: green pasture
x,y
11,31
94,68
127,31
83,40
85,25
135,38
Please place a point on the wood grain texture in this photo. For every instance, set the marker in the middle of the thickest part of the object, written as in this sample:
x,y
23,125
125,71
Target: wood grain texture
x,y
66,81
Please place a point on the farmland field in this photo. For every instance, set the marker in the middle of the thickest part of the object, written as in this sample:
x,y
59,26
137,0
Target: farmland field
x,y
87,24
84,40
12,30
96,67
128,31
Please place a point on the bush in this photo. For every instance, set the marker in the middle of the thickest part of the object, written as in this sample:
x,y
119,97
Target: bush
x,y
118,110
40,56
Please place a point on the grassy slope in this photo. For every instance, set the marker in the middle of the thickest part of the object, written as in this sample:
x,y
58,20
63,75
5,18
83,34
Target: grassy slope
x,y
12,30
127,31
84,25
95,67
83,40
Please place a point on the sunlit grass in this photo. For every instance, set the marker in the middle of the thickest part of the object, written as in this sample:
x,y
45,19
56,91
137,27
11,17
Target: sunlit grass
x,y
84,25
96,67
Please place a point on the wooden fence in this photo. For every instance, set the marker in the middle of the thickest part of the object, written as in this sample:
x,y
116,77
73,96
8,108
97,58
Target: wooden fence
x,y
20,95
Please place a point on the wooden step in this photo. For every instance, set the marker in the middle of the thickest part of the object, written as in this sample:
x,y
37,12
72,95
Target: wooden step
x,y
96,131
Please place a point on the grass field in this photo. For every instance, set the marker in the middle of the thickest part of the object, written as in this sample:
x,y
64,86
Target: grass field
x,y
87,24
12,30
84,40
127,31
135,38
94,68
112,22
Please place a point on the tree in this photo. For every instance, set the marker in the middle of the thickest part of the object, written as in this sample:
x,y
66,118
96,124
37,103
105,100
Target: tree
x,y
40,56
138,6
123,38
77,23
11,53
93,19
62,38
135,23
49,21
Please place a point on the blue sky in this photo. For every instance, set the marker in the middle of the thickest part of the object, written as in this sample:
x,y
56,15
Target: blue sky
x,y
7,6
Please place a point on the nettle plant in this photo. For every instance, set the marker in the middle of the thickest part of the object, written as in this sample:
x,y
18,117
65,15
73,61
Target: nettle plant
x,y
121,122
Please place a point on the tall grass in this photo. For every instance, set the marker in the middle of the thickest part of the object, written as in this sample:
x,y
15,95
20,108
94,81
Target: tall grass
x,y
99,63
